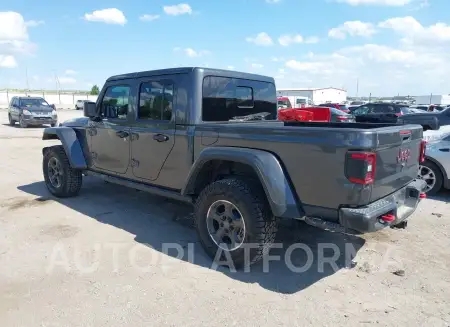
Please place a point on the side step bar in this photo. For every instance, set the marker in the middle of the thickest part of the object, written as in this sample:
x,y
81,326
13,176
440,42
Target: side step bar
x,y
141,186
326,225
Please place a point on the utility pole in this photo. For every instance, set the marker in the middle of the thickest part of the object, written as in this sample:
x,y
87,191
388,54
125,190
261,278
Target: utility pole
x,y
357,87
57,87
26,76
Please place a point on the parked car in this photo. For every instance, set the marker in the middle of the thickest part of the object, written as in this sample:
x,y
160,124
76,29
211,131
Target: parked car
x,y
429,120
435,107
79,105
219,146
283,103
355,104
31,111
435,170
422,107
336,106
337,115
393,114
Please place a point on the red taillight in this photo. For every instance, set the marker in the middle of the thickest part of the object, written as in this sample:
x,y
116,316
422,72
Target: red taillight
x,y
360,167
398,114
388,218
423,147
341,118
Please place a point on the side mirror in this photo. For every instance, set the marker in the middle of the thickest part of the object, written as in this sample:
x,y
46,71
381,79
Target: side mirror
x,y
89,109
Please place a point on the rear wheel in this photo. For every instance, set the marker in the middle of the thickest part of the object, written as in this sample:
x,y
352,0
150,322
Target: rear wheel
x,y
61,179
234,222
12,122
432,175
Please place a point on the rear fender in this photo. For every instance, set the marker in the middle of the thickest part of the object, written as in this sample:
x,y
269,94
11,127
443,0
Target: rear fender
x,y
70,142
270,173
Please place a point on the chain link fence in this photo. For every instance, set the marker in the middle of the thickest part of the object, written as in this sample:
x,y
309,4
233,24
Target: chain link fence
x,y
62,99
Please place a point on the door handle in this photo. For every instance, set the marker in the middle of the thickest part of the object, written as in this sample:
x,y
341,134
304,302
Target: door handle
x,y
122,134
160,137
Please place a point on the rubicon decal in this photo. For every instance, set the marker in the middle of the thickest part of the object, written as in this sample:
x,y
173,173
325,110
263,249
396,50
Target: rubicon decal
x,y
404,155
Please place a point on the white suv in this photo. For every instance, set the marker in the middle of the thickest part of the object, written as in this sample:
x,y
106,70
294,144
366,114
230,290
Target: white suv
x,y
80,104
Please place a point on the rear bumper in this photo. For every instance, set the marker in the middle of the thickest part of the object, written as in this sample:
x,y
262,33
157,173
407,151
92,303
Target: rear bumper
x,y
401,204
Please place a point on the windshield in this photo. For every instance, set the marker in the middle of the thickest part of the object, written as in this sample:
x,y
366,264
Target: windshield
x,y
32,102
283,103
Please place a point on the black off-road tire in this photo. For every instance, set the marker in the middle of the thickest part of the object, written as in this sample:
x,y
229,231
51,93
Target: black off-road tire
x,y
22,123
260,224
12,122
72,179
437,173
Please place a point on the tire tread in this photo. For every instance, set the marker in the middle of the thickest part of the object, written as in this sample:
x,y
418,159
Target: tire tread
x,y
74,177
265,223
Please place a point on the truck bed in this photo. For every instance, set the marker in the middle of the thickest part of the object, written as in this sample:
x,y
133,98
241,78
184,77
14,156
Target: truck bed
x,y
316,168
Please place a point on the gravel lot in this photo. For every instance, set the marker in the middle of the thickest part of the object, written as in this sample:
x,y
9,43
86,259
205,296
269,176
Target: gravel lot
x,y
101,260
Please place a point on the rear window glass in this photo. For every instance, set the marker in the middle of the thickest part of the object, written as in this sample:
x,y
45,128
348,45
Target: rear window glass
x,y
225,98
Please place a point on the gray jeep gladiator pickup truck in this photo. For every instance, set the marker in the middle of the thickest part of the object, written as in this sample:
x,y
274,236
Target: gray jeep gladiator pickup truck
x,y
210,137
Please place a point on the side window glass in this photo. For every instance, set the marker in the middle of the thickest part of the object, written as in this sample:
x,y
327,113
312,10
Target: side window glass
x,y
381,109
361,110
225,98
115,102
156,100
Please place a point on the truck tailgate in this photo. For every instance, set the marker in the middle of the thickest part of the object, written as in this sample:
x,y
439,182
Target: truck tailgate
x,y
397,159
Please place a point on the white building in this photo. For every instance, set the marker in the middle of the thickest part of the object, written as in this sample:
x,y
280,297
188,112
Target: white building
x,y
316,95
432,99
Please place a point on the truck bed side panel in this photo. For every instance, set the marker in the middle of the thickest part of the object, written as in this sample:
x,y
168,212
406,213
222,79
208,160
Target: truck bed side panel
x,y
314,159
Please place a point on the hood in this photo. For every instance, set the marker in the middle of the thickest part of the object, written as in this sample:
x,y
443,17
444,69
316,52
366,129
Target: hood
x,y
38,108
76,122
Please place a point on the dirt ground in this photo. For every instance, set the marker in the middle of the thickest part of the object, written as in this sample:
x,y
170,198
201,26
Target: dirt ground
x,y
102,259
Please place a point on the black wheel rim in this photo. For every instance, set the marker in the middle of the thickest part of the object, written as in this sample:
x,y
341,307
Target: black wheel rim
x,y
225,225
55,172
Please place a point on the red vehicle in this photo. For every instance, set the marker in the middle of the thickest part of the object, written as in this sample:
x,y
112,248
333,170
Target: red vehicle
x,y
283,103
336,106
315,114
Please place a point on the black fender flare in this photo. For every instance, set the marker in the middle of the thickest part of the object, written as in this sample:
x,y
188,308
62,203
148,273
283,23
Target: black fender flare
x,y
267,167
70,142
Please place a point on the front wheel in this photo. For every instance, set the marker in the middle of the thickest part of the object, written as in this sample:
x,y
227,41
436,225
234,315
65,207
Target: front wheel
x,y
60,178
234,222
12,122
22,123
432,175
